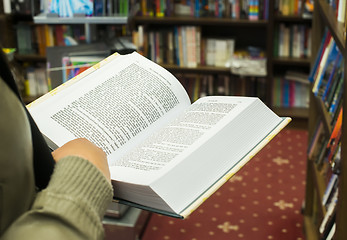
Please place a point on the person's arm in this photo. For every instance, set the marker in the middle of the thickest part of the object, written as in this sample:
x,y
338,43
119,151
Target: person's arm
x,y
73,204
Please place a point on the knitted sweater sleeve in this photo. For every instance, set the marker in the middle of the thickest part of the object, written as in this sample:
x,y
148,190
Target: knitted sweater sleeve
x,y
71,207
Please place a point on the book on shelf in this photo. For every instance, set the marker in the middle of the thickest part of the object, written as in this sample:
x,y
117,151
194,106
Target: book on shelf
x,y
86,8
36,83
332,230
335,96
325,40
327,75
330,191
341,11
332,77
326,65
199,85
292,40
184,46
330,215
74,65
165,153
291,90
308,8
317,144
289,7
25,44
335,137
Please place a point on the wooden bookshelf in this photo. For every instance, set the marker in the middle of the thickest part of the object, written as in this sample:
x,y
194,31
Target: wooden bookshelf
x,y
278,65
246,32
325,17
337,29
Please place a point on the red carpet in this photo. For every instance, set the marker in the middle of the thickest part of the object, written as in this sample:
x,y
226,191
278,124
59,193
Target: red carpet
x,y
262,201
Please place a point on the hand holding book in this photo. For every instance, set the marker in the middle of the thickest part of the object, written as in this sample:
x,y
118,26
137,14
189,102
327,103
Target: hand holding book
x,y
81,147
163,152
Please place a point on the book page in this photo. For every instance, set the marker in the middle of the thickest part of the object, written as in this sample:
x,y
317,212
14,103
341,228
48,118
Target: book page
x,y
194,151
166,148
219,152
119,102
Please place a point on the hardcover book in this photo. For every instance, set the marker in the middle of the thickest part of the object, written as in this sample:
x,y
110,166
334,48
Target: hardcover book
x,y
165,154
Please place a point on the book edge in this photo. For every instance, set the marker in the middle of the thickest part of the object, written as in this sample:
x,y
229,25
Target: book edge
x,y
194,205
203,197
146,208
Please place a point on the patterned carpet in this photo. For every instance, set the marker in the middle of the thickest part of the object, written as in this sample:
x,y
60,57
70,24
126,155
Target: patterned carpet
x,y
262,201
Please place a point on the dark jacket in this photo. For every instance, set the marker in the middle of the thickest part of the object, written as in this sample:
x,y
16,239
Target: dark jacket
x,y
73,203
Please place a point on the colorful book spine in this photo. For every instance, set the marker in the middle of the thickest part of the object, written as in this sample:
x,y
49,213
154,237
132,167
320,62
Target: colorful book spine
x,y
320,52
253,10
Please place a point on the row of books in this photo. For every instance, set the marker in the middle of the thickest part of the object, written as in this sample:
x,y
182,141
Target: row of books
x,y
236,9
184,46
37,80
327,75
222,84
34,39
289,7
74,65
339,6
293,40
112,7
325,147
291,90
327,226
325,150
294,7
332,160
86,8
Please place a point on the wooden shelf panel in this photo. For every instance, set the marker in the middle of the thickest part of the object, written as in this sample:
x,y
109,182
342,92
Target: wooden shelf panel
x,y
320,187
208,21
310,229
199,69
30,58
293,112
27,99
325,115
292,61
292,19
43,19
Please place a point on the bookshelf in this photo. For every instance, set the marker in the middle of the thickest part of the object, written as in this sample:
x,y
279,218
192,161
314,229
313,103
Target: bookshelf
x,y
30,29
316,181
259,33
293,24
210,28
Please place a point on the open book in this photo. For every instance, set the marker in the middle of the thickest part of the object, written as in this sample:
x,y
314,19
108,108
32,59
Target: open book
x,y
164,153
